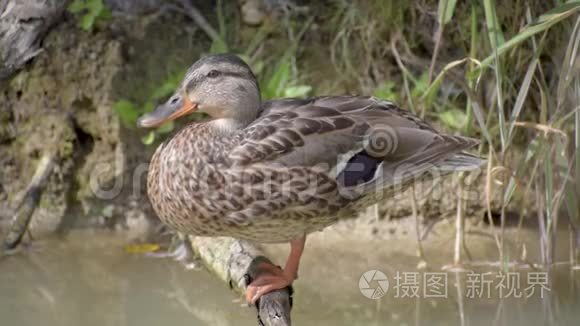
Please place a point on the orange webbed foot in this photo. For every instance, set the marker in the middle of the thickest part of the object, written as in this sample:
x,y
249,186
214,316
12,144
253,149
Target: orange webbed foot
x,y
274,278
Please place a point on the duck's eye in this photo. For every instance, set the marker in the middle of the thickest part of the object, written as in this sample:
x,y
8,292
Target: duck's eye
x,y
213,74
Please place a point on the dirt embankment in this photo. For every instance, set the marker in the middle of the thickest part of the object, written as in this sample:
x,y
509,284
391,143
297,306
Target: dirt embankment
x,y
62,102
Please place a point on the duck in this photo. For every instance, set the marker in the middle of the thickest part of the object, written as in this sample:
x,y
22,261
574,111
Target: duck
x,y
276,171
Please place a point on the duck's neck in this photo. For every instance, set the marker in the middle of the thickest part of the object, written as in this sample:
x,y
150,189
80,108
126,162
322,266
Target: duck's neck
x,y
237,115
227,126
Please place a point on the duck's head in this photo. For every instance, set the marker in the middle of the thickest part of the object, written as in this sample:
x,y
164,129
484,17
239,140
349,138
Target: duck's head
x,y
222,85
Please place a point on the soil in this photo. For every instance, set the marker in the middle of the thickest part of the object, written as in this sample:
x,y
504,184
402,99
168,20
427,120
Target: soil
x,y
63,103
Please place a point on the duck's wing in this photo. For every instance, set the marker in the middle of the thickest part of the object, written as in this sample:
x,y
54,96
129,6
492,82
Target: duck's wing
x,y
359,140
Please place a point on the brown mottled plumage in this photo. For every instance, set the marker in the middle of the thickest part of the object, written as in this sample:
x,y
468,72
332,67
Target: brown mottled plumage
x,y
278,170
205,183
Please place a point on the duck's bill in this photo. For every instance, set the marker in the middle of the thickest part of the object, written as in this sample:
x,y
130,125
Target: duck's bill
x,y
171,110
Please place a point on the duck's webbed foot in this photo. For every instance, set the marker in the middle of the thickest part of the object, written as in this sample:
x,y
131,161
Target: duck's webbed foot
x,y
275,278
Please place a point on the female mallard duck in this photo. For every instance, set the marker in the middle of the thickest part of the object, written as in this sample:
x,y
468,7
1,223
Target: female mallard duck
x,y
276,171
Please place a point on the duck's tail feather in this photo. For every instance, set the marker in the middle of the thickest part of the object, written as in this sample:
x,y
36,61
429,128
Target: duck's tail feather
x,y
461,162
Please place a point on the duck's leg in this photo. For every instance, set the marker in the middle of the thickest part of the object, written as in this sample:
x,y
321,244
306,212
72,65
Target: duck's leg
x,y
277,278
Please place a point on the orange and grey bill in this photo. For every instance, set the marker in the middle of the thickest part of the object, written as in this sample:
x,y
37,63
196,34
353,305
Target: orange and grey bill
x,y
171,110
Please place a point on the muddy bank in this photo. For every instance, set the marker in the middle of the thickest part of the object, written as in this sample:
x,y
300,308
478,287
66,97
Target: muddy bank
x,y
62,103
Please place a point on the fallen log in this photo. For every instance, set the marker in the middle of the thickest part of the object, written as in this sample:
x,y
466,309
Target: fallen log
x,y
21,220
237,262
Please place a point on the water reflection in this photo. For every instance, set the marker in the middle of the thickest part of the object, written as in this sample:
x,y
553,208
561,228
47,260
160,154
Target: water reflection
x,y
90,280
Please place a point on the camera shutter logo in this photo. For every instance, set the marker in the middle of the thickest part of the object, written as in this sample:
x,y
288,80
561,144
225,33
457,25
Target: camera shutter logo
x,y
373,284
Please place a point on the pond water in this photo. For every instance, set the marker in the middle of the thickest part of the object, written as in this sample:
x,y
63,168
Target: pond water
x,y
90,279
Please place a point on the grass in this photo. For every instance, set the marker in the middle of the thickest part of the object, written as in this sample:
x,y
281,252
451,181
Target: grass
x,y
552,181
508,91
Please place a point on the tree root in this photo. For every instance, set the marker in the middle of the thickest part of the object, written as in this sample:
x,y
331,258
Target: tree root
x,y
19,224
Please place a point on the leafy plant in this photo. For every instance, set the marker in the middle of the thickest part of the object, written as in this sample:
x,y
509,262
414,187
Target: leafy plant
x,y
277,82
386,90
280,82
297,91
453,118
129,112
420,85
89,12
